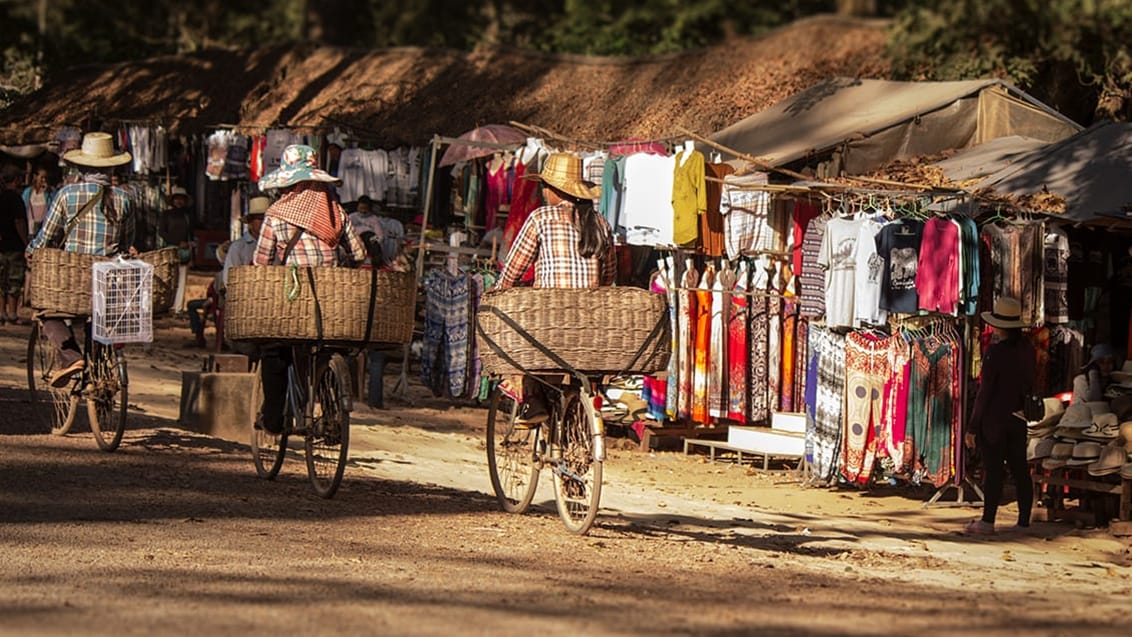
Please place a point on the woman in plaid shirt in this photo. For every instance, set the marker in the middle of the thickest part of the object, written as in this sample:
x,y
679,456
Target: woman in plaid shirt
x,y
305,227
567,241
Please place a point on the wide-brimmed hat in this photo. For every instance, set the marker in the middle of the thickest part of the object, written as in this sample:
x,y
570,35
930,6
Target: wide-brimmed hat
x,y
1100,352
1052,409
1007,313
1084,453
1078,415
564,172
1038,449
97,151
1058,456
1104,427
1124,433
257,206
1111,460
298,163
178,191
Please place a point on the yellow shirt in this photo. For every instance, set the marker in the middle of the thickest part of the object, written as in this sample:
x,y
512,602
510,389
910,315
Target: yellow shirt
x,y
689,197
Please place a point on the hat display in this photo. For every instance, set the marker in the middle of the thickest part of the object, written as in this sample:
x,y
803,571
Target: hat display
x,y
564,172
258,206
1084,453
1006,313
1111,460
298,163
1052,408
1058,456
1077,416
1105,426
97,151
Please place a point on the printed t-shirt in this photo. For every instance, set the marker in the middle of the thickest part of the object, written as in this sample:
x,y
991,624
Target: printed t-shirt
x,y
837,257
869,270
898,244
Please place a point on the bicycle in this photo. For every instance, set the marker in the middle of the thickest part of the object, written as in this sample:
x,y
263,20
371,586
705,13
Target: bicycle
x,y
103,382
570,442
323,420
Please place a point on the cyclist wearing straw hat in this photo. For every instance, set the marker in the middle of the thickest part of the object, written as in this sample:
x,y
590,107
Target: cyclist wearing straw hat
x,y
567,241
89,217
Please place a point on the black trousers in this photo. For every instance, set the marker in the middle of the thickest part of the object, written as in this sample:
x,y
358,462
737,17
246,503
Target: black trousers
x,y
1009,450
273,369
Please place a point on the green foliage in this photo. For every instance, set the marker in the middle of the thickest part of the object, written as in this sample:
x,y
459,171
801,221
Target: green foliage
x,y
1071,53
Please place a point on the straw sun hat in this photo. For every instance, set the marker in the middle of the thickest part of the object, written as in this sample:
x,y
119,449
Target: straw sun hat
x,y
97,151
258,206
1007,313
564,172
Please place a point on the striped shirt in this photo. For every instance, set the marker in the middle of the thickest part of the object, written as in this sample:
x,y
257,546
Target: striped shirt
x,y
549,241
93,233
309,250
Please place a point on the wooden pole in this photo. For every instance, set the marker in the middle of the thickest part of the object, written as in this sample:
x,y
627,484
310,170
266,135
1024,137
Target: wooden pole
x,y
427,205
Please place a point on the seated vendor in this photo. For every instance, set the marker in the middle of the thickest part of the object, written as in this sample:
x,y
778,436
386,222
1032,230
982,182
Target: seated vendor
x,y
1096,375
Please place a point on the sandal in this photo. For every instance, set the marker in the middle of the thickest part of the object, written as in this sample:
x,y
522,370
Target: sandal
x,y
978,527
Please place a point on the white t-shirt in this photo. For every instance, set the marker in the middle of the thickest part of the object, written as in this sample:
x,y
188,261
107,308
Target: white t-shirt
x,y
646,209
869,276
837,258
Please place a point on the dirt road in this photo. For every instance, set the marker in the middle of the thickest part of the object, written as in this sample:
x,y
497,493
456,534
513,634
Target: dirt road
x,y
174,534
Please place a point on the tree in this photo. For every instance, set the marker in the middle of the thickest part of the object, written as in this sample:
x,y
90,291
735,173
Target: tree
x,y
1073,54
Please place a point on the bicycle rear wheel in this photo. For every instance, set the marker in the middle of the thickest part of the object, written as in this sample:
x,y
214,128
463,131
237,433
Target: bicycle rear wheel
x,y
268,449
328,438
107,396
577,476
54,407
511,455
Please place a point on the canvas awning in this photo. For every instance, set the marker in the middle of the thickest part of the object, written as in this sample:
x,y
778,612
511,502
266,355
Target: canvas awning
x,y
861,125
985,159
1092,170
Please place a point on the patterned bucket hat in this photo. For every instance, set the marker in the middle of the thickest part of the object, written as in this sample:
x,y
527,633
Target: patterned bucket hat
x,y
298,163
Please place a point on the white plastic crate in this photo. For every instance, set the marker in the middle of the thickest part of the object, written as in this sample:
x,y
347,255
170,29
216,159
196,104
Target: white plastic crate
x,y
123,302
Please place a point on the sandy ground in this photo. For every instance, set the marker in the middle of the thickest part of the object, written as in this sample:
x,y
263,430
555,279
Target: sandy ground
x,y
174,533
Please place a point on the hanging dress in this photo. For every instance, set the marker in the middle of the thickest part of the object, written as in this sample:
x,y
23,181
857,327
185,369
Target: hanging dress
x,y
717,361
737,349
687,341
701,383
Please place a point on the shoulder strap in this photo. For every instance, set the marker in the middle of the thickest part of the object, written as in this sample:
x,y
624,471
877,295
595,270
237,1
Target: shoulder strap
x,y
291,245
82,211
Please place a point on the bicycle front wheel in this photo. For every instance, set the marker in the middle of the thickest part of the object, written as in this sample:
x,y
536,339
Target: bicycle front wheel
x,y
54,407
268,449
328,438
577,476
106,396
511,455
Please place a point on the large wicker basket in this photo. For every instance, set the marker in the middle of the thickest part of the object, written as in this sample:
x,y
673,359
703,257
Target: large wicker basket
x,y
60,281
595,330
262,304
164,262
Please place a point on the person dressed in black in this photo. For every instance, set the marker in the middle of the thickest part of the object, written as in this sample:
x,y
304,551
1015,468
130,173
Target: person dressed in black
x,y
995,429
13,240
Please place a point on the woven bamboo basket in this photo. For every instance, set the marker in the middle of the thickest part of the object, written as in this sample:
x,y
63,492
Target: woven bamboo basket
x,y
164,262
594,330
61,281
257,307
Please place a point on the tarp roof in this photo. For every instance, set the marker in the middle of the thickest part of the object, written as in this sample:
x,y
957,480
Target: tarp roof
x,y
1092,170
933,116
405,95
979,161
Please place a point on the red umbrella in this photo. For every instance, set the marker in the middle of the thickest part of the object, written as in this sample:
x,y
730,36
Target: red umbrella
x,y
490,134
